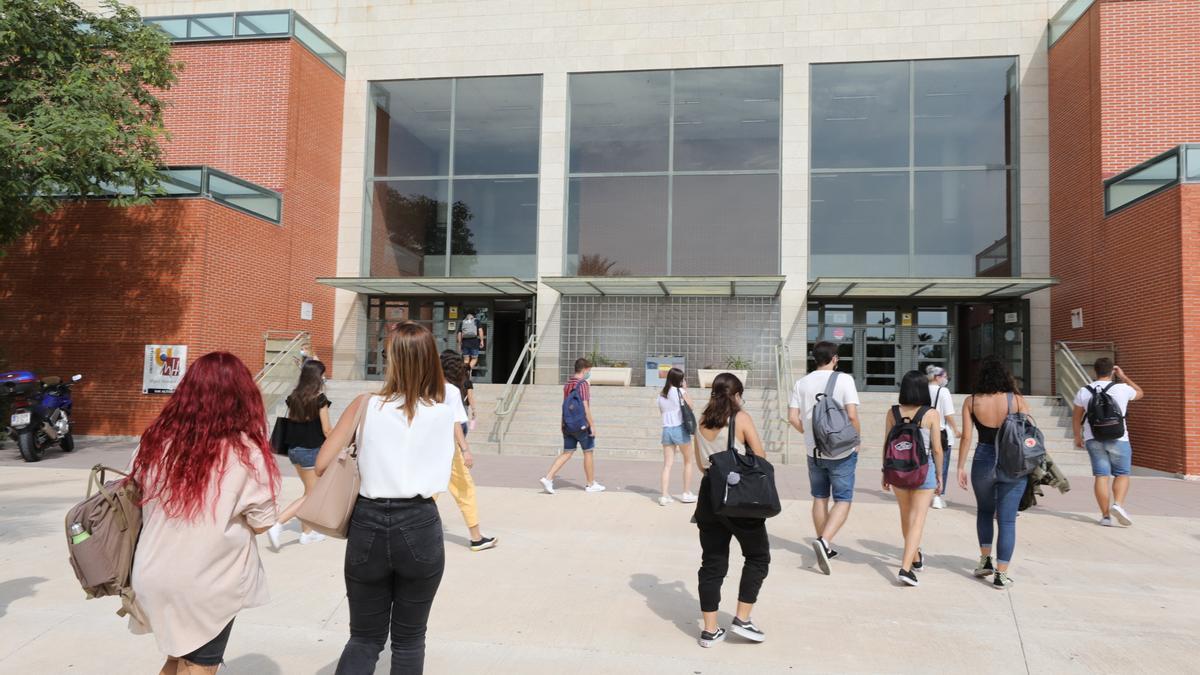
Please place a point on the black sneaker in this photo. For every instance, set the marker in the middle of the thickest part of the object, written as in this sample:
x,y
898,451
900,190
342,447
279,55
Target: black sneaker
x,y
822,552
747,629
919,563
708,639
985,568
483,544
907,577
1001,581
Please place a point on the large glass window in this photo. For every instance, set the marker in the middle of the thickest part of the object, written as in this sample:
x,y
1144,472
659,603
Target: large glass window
x,y
674,173
914,168
454,177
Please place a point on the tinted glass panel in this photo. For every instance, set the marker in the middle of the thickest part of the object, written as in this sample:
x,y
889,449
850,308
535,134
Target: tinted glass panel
x,y
496,125
1138,185
313,40
725,225
620,121
263,24
408,228
860,224
860,115
495,228
617,226
412,128
243,196
961,112
727,118
1193,163
960,215
176,28
210,26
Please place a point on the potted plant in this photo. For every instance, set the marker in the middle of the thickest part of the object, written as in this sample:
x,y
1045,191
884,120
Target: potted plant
x,y
606,371
736,365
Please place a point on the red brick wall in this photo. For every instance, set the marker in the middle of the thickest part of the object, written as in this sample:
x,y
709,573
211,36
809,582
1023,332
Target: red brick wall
x,y
1126,271
94,285
1151,93
1190,240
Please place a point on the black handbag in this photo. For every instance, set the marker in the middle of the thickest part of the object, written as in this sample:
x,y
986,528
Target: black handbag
x,y
743,486
689,415
279,436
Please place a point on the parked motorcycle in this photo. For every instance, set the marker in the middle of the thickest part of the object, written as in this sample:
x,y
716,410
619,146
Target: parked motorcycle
x,y
40,412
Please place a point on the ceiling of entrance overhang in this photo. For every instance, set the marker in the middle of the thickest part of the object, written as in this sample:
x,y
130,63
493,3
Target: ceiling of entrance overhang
x,y
964,288
745,286
476,286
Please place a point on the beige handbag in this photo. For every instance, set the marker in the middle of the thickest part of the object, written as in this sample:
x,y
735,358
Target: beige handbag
x,y
328,508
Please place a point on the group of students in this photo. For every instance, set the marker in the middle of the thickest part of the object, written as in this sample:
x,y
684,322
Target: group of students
x,y
210,484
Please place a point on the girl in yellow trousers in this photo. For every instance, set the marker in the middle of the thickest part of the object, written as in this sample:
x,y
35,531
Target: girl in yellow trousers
x,y
462,487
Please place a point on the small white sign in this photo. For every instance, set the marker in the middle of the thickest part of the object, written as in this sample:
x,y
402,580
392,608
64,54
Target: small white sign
x,y
306,311
1011,317
1077,318
163,368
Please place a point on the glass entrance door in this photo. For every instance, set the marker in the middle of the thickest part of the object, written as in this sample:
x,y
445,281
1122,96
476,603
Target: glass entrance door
x,y
880,342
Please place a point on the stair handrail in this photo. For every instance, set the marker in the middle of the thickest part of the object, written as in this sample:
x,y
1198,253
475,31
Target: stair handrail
x,y
518,378
1069,373
284,369
783,385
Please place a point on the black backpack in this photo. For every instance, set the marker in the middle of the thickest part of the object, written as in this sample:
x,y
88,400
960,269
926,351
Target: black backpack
x,y
1020,446
1104,415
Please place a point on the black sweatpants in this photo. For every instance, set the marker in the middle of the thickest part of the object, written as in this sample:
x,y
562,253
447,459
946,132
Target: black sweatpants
x,y
715,534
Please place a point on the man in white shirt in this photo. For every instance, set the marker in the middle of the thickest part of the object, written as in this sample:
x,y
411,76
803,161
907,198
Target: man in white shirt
x,y
943,402
826,476
1111,458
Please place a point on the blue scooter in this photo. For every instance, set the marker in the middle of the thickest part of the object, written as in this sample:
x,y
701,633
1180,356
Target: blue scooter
x,y
40,412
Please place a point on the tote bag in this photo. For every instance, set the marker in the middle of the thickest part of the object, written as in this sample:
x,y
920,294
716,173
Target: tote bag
x,y
743,486
328,507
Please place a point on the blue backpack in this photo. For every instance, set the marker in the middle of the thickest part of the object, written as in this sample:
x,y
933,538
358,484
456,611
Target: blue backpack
x,y
574,416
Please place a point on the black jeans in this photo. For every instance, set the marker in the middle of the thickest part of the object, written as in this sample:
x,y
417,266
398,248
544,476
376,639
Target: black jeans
x,y
715,533
394,562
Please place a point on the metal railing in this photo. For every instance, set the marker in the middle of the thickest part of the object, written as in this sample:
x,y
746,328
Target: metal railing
x,y
1070,375
281,367
520,377
783,385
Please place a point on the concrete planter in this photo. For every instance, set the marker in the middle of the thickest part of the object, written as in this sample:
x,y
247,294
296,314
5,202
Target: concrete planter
x,y
707,376
620,377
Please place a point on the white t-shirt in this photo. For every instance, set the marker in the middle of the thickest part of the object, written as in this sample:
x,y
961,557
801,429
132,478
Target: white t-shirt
x,y
804,398
1121,393
672,411
399,459
944,404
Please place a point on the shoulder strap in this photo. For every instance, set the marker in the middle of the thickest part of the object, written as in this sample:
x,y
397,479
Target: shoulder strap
x,y
1009,404
831,383
938,396
360,420
897,418
1110,386
920,414
732,440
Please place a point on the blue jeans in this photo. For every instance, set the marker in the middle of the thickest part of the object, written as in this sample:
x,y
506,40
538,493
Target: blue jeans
x,y
836,476
395,556
946,452
997,499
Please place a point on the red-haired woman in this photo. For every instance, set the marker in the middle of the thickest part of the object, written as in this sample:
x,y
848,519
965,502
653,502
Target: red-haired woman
x,y
208,481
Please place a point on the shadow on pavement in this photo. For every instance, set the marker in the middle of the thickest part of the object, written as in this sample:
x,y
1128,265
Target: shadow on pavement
x,y
257,664
16,589
671,601
889,553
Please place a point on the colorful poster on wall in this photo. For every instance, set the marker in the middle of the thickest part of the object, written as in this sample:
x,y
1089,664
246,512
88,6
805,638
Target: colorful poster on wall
x,y
163,368
453,313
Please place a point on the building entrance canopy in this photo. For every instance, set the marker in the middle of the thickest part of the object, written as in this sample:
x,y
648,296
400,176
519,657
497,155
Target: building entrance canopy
x,y
434,286
667,286
946,289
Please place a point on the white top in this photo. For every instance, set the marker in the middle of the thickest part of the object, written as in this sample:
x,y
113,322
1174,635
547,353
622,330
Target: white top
x,y
1121,393
398,459
944,405
672,411
804,398
719,444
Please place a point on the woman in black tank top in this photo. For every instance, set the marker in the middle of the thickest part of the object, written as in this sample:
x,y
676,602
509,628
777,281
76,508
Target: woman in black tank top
x,y
997,498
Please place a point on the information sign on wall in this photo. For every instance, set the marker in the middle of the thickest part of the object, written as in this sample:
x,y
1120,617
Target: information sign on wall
x,y
163,368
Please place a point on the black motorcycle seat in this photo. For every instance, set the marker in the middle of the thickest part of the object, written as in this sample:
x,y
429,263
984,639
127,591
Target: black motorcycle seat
x,y
51,381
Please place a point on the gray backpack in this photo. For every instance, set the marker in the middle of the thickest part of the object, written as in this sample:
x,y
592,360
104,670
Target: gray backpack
x,y
833,432
470,328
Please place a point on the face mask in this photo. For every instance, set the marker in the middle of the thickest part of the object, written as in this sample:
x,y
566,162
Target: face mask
x,y
587,376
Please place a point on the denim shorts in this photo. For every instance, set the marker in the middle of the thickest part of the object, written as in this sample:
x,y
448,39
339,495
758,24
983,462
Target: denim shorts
x,y
470,347
305,458
832,475
585,442
1109,458
675,436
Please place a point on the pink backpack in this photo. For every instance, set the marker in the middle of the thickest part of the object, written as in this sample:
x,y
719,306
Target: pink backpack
x,y
905,457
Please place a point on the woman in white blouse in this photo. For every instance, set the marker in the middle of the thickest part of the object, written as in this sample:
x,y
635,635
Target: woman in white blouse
x,y
394,551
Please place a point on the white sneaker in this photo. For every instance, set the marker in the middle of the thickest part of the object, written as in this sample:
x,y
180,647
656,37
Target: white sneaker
x,y
547,485
273,536
1122,516
663,501
938,502
687,498
307,538
595,487
1107,522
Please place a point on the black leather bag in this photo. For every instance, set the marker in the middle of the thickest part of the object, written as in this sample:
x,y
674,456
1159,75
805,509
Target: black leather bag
x,y
689,415
279,436
743,486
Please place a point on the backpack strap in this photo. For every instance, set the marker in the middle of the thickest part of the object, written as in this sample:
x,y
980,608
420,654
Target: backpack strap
x,y
920,414
897,418
831,383
1010,404
1110,386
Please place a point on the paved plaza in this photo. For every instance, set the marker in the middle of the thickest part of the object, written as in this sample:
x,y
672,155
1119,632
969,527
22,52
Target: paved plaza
x,y
606,583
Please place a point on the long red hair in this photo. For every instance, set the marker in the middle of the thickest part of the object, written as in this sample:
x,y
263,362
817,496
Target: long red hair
x,y
216,409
